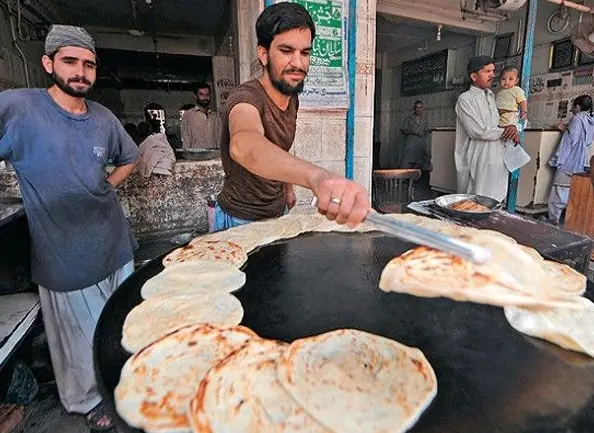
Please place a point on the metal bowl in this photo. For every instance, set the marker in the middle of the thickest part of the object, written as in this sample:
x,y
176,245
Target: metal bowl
x,y
182,238
445,201
198,154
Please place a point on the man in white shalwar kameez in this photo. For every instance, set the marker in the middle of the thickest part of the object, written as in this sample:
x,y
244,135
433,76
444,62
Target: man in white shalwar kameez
x,y
479,141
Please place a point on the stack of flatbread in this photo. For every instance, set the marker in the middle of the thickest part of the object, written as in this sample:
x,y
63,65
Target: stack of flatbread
x,y
184,294
515,275
215,379
157,382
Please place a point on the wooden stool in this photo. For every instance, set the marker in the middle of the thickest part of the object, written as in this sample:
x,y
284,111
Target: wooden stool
x,y
392,190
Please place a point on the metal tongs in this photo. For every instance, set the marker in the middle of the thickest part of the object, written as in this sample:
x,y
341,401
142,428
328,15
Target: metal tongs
x,y
422,236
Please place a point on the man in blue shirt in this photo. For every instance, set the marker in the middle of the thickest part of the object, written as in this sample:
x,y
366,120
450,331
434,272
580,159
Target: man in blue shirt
x,y
82,247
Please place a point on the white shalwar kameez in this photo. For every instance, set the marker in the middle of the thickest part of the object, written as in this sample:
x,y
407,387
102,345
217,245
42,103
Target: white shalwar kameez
x,y
479,148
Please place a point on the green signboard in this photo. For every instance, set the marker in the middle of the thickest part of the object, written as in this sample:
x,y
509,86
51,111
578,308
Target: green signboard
x,y
326,85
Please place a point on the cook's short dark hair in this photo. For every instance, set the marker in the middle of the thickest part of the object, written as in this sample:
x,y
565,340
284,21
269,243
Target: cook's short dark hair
x,y
418,101
282,17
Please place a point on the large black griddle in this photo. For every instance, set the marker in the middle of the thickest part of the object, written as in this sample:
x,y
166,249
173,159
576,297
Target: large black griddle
x,y
490,378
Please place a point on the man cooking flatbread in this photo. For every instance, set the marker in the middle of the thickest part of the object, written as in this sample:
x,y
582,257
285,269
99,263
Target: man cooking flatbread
x,y
259,126
81,244
479,141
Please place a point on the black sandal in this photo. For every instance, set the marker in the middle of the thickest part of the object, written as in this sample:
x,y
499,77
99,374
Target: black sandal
x,y
94,416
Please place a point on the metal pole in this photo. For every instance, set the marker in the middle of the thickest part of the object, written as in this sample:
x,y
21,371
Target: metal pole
x,y
512,193
351,62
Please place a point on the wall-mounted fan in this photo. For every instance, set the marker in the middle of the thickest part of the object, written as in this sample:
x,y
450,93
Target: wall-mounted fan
x,y
582,35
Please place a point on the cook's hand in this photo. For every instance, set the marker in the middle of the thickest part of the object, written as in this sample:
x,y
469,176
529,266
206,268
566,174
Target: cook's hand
x,y
510,133
561,126
290,197
340,199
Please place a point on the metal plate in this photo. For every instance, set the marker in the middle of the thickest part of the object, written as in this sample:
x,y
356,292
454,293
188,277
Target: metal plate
x,y
490,378
445,201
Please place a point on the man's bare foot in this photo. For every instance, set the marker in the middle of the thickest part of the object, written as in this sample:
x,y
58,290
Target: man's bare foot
x,y
98,420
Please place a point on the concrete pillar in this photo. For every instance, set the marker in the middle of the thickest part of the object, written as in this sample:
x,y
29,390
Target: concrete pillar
x,y
247,14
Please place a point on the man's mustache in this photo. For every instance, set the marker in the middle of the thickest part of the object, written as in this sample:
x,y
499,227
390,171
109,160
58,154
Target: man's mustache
x,y
293,70
79,80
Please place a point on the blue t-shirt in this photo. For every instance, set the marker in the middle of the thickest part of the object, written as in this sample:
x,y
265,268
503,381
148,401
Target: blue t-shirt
x,y
79,234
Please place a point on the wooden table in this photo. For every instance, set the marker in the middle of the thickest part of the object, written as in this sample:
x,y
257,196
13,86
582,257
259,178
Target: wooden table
x,y
550,241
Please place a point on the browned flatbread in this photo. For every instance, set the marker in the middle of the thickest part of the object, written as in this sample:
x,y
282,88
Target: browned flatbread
x,y
248,376
157,382
216,251
351,381
469,206
430,273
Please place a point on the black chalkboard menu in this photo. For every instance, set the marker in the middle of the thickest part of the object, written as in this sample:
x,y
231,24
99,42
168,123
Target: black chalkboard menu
x,y
425,75
562,55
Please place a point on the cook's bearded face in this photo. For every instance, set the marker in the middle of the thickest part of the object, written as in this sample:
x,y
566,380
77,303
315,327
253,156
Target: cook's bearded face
x,y
288,60
73,70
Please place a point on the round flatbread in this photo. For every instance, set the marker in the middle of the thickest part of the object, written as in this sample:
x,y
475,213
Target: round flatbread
x,y
532,252
517,262
156,384
296,224
332,226
431,273
354,382
216,251
242,394
193,278
250,236
168,313
561,277
568,279
570,329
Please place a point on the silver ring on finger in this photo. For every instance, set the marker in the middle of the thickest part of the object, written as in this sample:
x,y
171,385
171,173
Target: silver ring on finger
x,y
336,200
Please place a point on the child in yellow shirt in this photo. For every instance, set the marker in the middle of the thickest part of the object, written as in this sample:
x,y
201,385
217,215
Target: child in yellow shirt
x,y
511,99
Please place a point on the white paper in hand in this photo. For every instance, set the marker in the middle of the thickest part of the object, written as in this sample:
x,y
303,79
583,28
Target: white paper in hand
x,y
514,156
